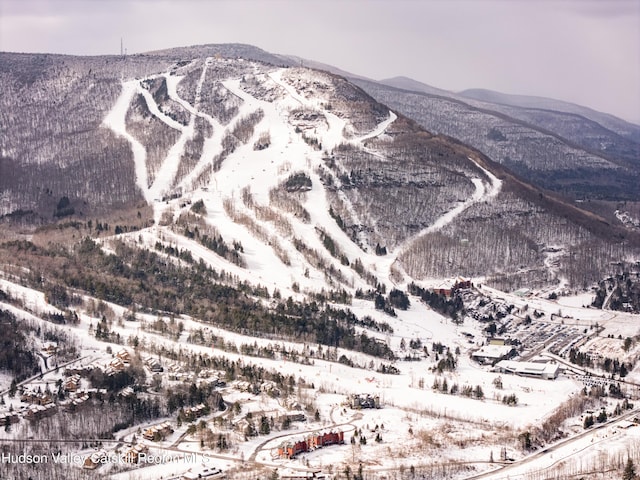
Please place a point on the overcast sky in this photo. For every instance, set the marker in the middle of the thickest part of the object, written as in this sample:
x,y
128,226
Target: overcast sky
x,y
583,51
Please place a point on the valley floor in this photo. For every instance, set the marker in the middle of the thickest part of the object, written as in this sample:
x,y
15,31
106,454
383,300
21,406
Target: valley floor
x,y
416,426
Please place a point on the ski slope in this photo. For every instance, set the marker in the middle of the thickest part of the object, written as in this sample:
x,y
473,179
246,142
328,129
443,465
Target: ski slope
x,y
246,169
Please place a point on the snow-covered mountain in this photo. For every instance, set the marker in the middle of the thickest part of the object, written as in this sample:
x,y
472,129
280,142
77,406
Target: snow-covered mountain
x,y
294,165
573,150
281,175
203,246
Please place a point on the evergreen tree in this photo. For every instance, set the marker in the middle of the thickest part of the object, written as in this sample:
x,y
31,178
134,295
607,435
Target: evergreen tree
x,y
265,428
629,471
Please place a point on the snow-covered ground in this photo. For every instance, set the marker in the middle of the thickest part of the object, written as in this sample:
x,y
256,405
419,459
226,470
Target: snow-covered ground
x,y
593,452
427,425
257,171
411,413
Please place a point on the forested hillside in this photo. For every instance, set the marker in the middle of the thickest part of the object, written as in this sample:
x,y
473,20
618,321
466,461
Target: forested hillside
x,y
305,169
554,150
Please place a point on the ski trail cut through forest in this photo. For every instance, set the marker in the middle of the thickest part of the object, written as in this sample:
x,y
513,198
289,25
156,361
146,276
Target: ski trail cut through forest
x,y
167,172
483,193
115,120
154,109
212,145
552,255
381,128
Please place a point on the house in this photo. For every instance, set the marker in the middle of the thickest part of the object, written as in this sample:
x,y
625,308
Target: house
x,y
72,383
157,432
292,404
462,283
82,370
292,417
270,388
50,409
445,288
244,427
154,365
180,376
116,365
132,454
127,392
78,402
450,286
364,401
174,369
50,349
245,386
97,393
547,371
9,418
191,413
94,460
289,474
37,398
124,355
34,412
626,424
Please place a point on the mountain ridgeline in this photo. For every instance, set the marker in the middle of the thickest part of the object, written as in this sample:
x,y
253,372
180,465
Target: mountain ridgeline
x,y
300,179
566,150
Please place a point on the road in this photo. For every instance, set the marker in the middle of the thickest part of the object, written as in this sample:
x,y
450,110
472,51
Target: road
x,y
259,448
508,470
40,375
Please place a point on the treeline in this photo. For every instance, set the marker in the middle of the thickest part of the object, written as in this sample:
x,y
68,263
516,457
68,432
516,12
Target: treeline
x,y
182,396
196,228
451,307
609,365
16,353
466,390
182,254
146,279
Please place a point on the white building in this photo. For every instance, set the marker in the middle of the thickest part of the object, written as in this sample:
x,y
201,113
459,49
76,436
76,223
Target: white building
x,y
490,354
548,371
202,473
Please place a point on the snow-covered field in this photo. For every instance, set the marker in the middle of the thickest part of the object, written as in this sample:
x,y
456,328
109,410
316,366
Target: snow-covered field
x,y
412,414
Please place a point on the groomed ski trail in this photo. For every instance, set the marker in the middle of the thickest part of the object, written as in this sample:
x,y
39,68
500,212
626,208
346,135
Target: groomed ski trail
x,y
380,128
481,194
116,121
